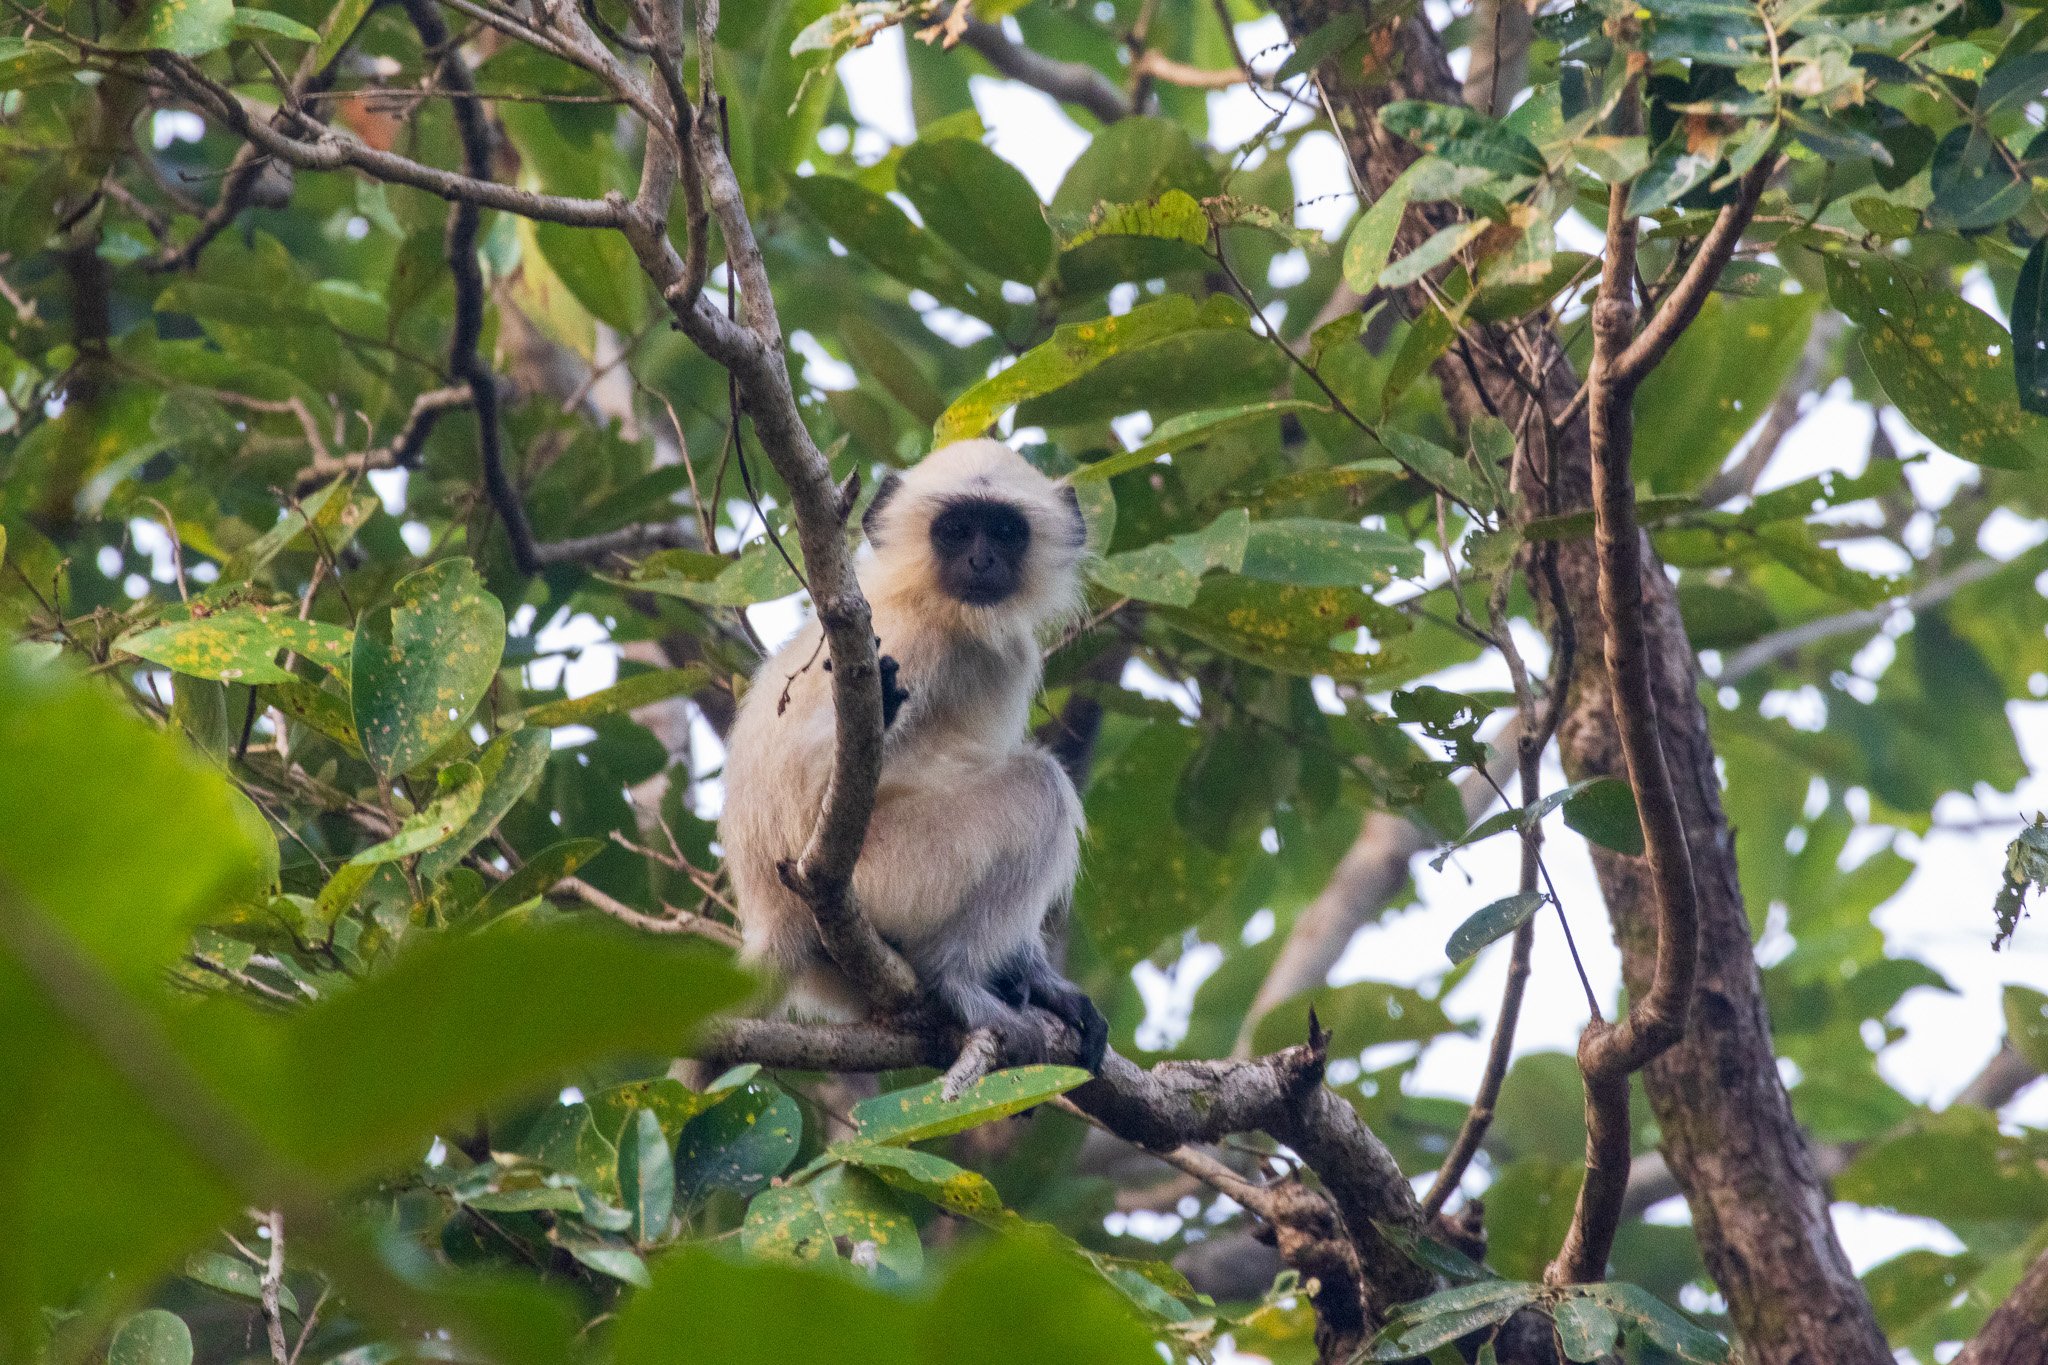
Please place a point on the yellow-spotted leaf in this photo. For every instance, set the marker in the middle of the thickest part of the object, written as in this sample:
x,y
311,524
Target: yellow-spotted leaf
x,y
240,645
422,663
806,1222
957,1190
1945,363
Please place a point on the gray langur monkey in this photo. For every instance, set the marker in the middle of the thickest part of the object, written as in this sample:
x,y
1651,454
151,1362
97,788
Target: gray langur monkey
x,y
976,829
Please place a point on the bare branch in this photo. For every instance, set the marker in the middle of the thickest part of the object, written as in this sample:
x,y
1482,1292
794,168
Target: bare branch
x,y
271,1286
2017,1333
977,1058
1686,298
1783,644
1068,82
320,148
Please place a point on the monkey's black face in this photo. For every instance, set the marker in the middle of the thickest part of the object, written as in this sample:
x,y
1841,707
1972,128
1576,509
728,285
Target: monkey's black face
x,y
980,544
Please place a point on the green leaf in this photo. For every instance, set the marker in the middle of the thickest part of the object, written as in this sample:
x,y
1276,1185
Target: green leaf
x,y
508,768
627,694
1132,161
1171,570
1188,430
1440,468
1720,380
1440,246
922,1112
1371,240
875,229
740,1144
1514,817
1287,628
804,1222
599,268
260,23
759,574
536,875
1660,1323
233,1275
1175,216
460,790
1073,350
621,1263
955,1189
1335,36
1880,26
190,28
1604,810
647,1177
736,1312
459,1023
2030,330
240,645
139,839
1314,553
979,204
342,21
1941,361
1675,170
1974,182
1496,921
1463,137
151,1337
2026,1024
1585,1330
423,662
1426,1324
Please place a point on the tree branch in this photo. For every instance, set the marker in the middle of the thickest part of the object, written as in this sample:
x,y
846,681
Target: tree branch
x,y
2017,1333
1068,82
1783,644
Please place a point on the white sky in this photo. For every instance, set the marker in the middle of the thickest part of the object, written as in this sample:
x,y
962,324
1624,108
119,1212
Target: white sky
x,y
1942,916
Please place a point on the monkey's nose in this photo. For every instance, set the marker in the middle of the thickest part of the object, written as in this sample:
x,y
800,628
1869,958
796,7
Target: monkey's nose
x,y
981,561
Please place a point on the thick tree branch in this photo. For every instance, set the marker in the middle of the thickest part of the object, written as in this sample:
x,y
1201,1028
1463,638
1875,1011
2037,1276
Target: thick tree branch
x,y
1759,1206
1656,1018
751,348
1162,1108
2017,1333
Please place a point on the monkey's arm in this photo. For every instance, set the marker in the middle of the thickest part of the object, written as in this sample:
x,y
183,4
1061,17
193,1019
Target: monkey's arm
x,y
1031,979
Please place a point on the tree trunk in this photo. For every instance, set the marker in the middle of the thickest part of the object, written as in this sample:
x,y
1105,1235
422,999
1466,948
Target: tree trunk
x,y
1759,1207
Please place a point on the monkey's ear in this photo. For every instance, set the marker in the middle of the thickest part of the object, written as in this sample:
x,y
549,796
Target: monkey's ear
x,y
871,520
1073,501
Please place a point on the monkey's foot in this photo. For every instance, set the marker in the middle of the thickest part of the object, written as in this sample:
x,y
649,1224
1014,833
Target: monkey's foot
x,y
1074,1009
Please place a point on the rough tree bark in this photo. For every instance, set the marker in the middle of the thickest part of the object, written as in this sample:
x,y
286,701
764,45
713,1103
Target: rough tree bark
x,y
1745,1166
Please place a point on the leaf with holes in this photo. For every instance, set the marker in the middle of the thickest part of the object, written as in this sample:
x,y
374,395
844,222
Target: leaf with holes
x,y
807,1222
1940,360
240,645
957,1190
740,1144
1323,554
422,663
151,1337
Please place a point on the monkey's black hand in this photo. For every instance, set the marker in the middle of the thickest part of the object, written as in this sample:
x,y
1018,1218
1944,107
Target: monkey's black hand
x,y
894,694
